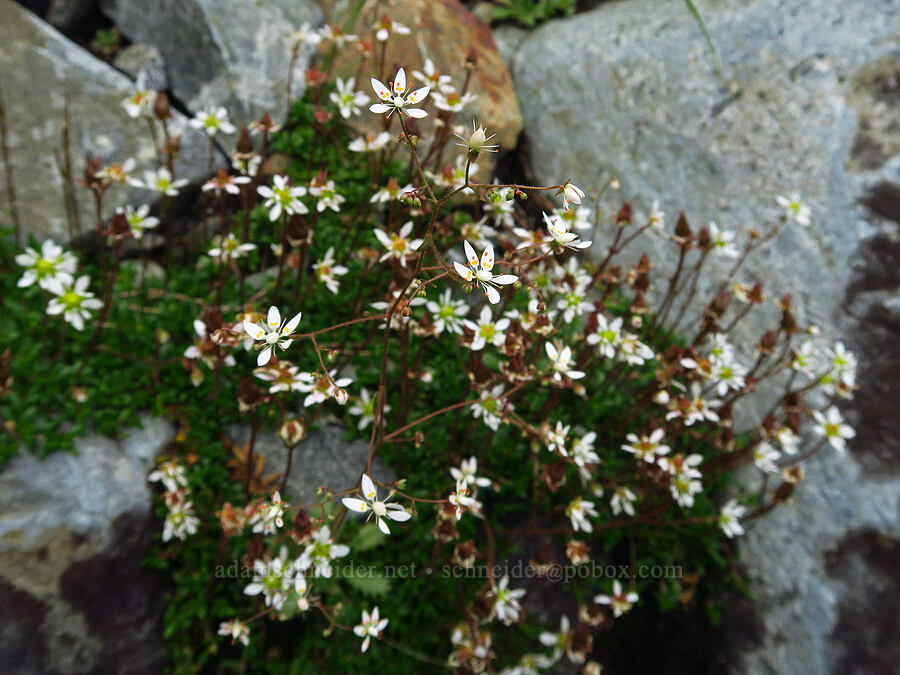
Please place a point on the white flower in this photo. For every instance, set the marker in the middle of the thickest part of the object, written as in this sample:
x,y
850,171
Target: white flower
x,y
447,313
160,181
326,271
694,409
269,517
275,580
506,602
562,362
372,505
336,35
212,121
685,481
647,448
572,194
478,231
578,512
365,409
117,173
633,350
557,437
460,498
139,104
306,35
74,302
619,601
52,263
328,197
237,630
229,248
325,387
390,192
728,518
273,332
559,641
728,376
319,553
623,500
386,26
433,79
139,220
583,450
607,335
765,456
831,427
370,142
790,442
370,626
561,235
452,102
468,468
487,331
722,242
480,272
284,377
580,218
180,520
398,245
247,165
502,208
224,181
656,221
346,99
491,407
395,97
282,197
172,475
794,209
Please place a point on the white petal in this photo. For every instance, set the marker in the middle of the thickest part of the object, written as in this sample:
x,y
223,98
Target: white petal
x,y
505,279
400,82
462,271
419,95
292,324
551,351
379,108
253,330
418,113
383,526
380,90
493,295
487,258
399,516
264,357
470,254
354,504
368,487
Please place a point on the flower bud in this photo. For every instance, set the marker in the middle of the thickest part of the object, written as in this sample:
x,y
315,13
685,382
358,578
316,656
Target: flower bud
x,y
161,108
292,432
341,396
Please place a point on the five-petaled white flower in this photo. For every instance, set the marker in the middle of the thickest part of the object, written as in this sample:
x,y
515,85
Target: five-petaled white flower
x,y
319,553
467,472
212,121
480,272
52,263
386,26
180,520
398,245
370,626
269,517
506,602
623,500
578,511
794,209
491,407
395,97
273,332
365,408
369,142
729,518
558,229
229,248
647,448
619,601
346,98
327,196
722,241
237,630
282,197
460,498
562,362
372,504
831,427
139,220
487,331
74,301
160,181
172,475
447,313
327,272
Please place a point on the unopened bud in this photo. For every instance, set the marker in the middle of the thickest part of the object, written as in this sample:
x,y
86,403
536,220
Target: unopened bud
x,y
341,396
292,432
161,108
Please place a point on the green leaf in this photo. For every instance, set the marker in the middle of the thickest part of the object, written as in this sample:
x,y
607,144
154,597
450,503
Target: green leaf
x,y
368,537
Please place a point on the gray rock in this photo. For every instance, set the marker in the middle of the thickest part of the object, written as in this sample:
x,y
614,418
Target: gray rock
x,y
143,63
39,69
809,102
323,458
74,530
222,52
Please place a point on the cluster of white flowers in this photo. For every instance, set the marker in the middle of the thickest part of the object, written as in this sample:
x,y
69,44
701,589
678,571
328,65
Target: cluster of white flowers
x,y
180,519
